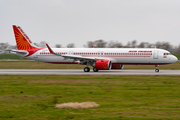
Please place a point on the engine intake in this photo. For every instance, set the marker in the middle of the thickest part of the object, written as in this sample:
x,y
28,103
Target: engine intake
x,y
103,64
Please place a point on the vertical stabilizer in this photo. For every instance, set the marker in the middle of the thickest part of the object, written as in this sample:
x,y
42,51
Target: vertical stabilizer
x,y
23,42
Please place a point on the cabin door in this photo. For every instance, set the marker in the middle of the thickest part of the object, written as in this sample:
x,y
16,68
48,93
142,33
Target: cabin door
x,y
155,54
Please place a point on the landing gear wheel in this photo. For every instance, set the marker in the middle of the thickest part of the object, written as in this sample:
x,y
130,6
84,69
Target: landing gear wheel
x,y
157,70
95,70
86,69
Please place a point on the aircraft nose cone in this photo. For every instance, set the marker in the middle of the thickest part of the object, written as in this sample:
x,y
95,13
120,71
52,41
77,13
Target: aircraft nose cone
x,y
174,59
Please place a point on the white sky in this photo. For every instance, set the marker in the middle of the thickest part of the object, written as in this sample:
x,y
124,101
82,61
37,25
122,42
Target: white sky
x,y
79,21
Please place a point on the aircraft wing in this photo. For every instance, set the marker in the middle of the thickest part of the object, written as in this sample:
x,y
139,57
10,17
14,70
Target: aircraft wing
x,y
75,57
81,57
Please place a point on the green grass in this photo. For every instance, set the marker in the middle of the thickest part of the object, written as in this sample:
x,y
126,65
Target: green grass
x,y
41,65
177,55
11,56
33,97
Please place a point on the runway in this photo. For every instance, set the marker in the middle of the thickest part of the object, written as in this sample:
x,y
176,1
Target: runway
x,y
81,72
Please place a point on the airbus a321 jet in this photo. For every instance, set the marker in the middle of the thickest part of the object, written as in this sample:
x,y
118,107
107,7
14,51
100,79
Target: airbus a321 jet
x,y
98,58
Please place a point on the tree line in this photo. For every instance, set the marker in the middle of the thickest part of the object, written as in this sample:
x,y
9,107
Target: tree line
x,y
133,44
106,44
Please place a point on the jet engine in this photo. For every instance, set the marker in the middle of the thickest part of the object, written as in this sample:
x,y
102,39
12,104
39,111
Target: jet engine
x,y
103,64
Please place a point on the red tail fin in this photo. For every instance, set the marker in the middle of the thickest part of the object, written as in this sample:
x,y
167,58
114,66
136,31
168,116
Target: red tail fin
x,y
23,42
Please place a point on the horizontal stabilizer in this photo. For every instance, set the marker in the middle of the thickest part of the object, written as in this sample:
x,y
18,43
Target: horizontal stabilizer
x,y
22,52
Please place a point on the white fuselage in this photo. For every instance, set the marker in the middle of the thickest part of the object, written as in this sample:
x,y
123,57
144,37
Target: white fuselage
x,y
116,55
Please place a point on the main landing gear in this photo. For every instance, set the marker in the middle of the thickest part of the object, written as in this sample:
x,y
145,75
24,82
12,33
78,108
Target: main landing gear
x,y
94,69
156,70
87,69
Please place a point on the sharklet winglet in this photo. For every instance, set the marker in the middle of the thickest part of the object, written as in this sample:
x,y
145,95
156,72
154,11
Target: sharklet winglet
x,y
51,51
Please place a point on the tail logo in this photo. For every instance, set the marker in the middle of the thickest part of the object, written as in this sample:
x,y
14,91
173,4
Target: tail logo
x,y
23,42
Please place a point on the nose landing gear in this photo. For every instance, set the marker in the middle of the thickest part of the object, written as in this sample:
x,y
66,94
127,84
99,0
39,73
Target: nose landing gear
x,y
156,70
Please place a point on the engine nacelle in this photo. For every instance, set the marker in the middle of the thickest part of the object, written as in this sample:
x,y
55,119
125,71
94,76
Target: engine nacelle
x,y
117,66
103,64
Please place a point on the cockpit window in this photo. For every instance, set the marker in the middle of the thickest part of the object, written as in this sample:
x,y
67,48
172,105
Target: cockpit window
x,y
167,54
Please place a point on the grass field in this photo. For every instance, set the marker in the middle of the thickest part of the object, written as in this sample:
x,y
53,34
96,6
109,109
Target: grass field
x,y
11,56
178,56
120,97
41,65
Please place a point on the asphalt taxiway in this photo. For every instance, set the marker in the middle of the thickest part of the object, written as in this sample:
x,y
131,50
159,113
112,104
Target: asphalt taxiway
x,y
81,72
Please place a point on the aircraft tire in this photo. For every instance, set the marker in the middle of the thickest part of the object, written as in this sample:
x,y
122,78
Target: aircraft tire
x,y
86,69
157,70
95,70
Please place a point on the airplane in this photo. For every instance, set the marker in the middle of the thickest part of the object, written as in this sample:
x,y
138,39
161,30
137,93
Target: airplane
x,y
98,58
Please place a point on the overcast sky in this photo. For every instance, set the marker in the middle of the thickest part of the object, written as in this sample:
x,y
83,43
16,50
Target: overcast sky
x,y
79,21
